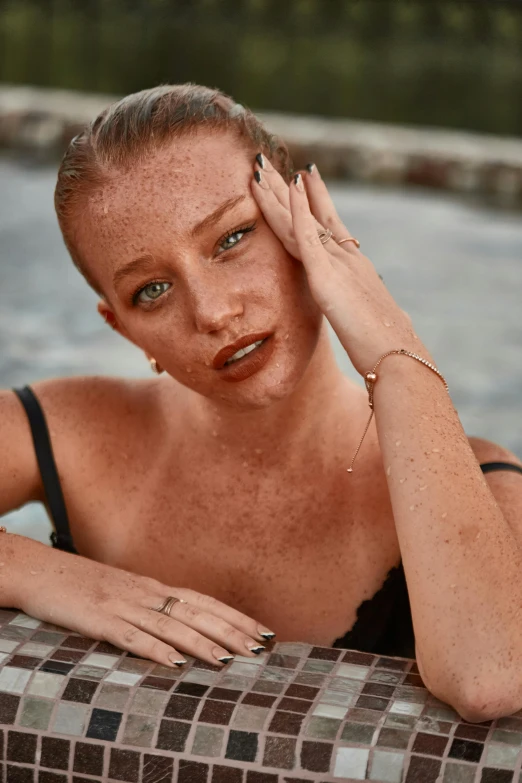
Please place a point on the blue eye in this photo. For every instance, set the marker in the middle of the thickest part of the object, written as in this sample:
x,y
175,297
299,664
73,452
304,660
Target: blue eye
x,y
151,292
231,240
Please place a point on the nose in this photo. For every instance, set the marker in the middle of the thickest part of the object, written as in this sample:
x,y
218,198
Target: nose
x,y
214,306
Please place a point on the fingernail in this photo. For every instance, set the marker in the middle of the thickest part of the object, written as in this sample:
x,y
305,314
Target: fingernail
x,y
265,633
311,167
257,650
261,159
298,182
177,661
261,181
226,659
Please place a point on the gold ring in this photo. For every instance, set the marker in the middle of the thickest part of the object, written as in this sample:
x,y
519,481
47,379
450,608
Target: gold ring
x,y
325,235
168,603
350,239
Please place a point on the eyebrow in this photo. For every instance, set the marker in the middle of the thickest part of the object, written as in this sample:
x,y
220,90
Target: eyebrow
x,y
208,221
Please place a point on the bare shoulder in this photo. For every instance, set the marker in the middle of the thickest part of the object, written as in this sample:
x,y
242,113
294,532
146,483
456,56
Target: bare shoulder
x,y
487,451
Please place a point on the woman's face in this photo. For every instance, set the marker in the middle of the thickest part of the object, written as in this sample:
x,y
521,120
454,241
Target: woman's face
x,y
189,266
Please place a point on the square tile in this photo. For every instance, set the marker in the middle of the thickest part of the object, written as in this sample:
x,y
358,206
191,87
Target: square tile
x,y
208,741
466,750
216,712
330,711
352,671
21,747
459,773
242,746
111,696
322,728
104,724
100,660
406,708
393,738
55,753
123,678
88,758
173,735
358,733
321,667
124,765
351,763
8,645
91,671
316,756
387,766
280,752
35,649
209,678
70,719
250,717
139,731
286,723
430,744
78,690
501,755
36,713
157,769
13,679
423,770
148,702
288,704
8,708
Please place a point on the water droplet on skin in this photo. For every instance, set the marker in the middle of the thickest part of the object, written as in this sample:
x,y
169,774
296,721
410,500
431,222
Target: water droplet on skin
x,y
412,508
387,323
398,442
445,515
421,489
401,481
435,451
214,433
287,336
188,369
277,364
245,464
258,451
388,470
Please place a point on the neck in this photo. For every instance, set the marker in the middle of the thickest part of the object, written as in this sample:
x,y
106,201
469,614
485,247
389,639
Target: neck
x,y
285,425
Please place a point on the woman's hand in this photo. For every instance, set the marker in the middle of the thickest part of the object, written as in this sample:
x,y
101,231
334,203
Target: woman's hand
x,y
107,603
343,281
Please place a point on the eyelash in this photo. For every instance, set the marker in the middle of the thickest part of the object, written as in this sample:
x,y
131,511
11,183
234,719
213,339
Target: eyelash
x,y
241,230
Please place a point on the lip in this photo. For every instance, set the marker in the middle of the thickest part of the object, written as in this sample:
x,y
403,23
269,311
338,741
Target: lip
x,y
229,350
249,364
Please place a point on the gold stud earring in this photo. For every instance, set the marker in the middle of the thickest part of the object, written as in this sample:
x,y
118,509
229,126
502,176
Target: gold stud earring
x,y
155,367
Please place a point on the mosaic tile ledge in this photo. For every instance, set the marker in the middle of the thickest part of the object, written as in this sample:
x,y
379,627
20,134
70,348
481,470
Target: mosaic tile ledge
x,y
73,709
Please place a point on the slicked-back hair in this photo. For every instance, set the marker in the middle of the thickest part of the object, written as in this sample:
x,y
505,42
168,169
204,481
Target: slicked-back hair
x,y
128,130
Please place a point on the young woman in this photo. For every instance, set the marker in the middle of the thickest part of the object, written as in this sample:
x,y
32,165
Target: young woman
x,y
222,501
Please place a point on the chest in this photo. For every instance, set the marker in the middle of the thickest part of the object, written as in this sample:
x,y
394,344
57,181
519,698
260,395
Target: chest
x,y
292,548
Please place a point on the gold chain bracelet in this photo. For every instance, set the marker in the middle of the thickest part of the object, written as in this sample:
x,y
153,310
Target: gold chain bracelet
x,y
370,379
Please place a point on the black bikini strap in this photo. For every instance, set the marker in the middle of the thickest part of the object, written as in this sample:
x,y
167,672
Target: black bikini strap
x,y
487,467
47,465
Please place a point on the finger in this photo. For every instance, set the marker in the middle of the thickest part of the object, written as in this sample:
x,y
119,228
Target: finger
x,y
128,637
230,615
312,253
278,218
171,631
323,208
275,180
196,632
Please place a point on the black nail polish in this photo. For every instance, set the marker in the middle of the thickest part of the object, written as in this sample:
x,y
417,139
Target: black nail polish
x,y
227,659
297,177
267,636
260,159
257,177
257,650
310,167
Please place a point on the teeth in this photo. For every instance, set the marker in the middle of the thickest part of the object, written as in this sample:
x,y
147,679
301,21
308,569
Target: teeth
x,y
243,352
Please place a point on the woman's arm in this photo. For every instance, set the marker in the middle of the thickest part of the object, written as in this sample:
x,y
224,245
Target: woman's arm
x,y
462,559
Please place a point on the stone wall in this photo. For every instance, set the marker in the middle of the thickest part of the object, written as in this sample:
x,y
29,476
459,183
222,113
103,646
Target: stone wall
x,y
40,122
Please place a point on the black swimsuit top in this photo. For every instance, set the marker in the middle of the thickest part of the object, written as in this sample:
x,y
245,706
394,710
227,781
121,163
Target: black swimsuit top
x,y
384,624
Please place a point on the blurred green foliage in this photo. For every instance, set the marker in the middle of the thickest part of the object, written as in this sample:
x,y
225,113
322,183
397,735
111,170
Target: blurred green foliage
x,y
455,63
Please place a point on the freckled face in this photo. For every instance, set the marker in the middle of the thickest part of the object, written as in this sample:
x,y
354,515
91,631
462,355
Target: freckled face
x,y
194,287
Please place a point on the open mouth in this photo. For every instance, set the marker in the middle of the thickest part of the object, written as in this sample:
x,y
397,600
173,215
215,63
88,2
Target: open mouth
x,y
244,352
247,359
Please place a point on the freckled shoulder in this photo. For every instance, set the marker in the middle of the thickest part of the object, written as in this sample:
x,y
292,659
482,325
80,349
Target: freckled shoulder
x,y
487,451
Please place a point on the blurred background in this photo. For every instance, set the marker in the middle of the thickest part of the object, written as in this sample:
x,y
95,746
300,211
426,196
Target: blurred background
x,y
452,260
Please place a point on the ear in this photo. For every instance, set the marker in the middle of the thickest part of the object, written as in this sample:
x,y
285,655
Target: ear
x,y
110,319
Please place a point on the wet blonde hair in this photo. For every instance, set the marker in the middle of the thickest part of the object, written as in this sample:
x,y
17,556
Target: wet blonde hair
x,y
132,127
